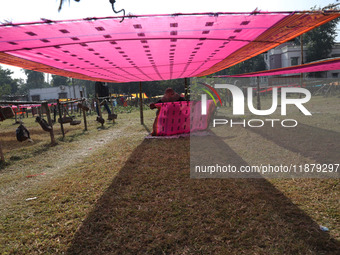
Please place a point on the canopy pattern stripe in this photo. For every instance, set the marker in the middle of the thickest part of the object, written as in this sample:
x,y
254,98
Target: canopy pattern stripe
x,y
147,48
318,66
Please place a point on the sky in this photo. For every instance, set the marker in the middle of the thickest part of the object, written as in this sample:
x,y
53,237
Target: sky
x,y
33,10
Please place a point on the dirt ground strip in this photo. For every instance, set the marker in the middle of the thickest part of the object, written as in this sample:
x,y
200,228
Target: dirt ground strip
x,y
62,157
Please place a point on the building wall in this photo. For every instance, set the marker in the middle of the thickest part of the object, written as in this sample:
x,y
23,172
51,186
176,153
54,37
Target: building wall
x,y
287,55
55,93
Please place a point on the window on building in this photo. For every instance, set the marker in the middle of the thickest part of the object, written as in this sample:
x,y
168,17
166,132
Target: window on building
x,y
35,97
335,75
62,95
294,61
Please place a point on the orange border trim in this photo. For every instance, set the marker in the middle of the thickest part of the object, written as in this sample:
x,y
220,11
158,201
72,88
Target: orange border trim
x,y
34,66
279,33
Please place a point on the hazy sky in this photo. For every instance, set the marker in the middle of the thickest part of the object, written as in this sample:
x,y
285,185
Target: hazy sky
x,y
33,10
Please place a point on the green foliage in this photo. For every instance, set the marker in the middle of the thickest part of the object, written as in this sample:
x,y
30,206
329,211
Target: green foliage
x,y
59,80
89,85
7,84
251,65
320,41
35,80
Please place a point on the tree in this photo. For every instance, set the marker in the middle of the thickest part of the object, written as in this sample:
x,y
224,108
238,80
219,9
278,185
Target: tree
x,y
89,85
319,42
59,80
7,84
34,80
251,65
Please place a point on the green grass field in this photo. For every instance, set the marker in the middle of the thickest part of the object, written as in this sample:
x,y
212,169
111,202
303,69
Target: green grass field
x,y
111,191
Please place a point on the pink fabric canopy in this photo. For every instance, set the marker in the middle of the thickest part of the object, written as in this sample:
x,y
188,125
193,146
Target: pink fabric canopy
x,y
147,48
319,66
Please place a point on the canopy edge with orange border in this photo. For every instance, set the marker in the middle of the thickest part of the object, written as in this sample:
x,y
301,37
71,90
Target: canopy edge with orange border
x,y
150,47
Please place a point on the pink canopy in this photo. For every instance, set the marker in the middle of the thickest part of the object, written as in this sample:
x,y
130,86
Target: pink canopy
x,y
147,48
323,65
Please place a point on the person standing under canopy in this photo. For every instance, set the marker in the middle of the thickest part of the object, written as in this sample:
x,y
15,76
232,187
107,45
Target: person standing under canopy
x,y
102,90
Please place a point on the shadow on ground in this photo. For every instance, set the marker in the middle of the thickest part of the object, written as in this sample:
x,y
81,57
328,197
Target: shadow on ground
x,y
316,143
153,207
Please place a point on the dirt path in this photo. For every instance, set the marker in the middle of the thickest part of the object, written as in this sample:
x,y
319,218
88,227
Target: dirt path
x,y
63,158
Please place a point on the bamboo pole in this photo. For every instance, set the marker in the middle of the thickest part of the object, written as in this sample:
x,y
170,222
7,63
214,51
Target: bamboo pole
x,y
60,117
16,117
99,110
84,112
141,104
49,120
2,157
112,107
186,89
54,113
20,102
229,97
258,94
301,74
39,111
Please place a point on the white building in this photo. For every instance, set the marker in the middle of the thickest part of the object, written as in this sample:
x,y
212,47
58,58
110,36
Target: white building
x,y
56,93
288,54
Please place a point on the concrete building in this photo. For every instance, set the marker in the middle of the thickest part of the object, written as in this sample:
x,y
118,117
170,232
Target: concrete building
x,y
288,54
55,93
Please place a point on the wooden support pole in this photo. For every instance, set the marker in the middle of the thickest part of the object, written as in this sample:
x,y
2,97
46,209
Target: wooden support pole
x,y
84,112
99,110
186,89
60,117
301,48
141,104
84,116
113,108
111,104
39,111
258,94
74,89
2,157
49,121
229,97
54,113
301,74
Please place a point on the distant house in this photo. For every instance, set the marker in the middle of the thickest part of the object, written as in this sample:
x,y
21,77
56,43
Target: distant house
x,y
55,93
288,54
